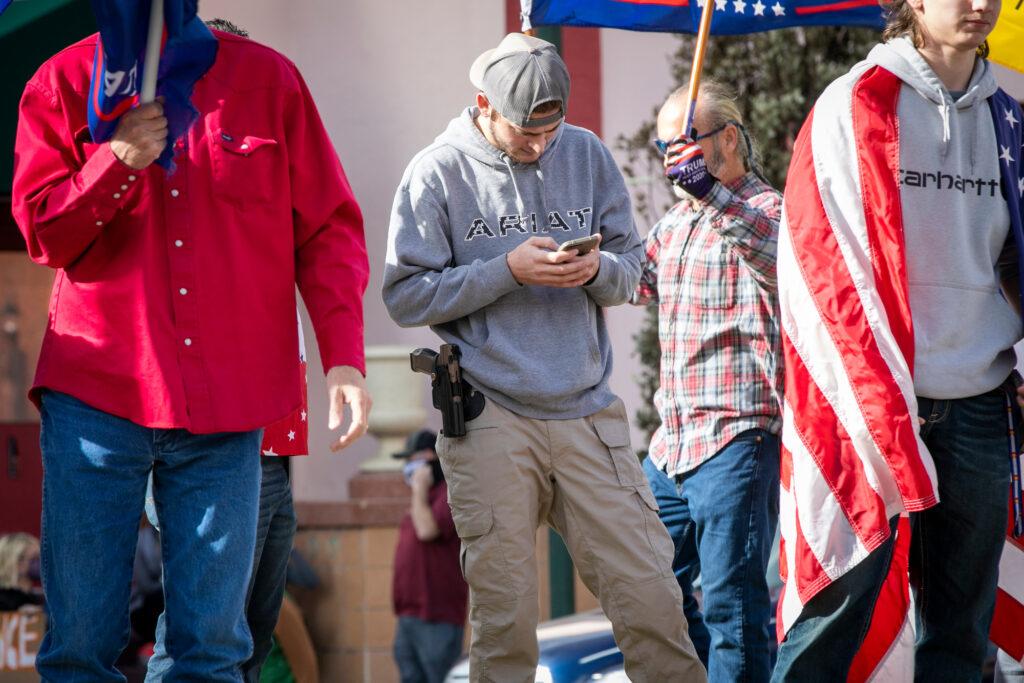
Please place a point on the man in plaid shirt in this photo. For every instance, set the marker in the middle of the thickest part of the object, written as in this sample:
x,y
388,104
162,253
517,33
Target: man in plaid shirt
x,y
714,461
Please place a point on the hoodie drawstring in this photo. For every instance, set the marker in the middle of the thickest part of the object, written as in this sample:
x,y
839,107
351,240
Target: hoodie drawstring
x,y
944,110
520,206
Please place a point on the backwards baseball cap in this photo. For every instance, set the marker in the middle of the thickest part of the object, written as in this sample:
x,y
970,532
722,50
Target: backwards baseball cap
x,y
520,74
420,441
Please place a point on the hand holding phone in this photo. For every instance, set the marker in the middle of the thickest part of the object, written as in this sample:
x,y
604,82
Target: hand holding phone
x,y
582,245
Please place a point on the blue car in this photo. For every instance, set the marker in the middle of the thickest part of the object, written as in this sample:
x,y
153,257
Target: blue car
x,y
573,649
580,647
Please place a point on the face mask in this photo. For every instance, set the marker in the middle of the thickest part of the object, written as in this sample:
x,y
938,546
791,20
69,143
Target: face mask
x,y
411,467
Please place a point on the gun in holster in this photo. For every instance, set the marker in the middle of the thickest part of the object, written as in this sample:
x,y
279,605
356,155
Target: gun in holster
x,y
451,394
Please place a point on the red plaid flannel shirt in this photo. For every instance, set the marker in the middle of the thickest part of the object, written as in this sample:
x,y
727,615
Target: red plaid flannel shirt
x,y
711,269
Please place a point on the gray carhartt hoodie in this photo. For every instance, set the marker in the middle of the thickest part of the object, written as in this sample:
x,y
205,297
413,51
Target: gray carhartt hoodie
x,y
956,225
462,205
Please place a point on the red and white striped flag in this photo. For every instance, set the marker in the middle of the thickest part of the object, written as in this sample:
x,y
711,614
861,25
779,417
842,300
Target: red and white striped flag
x,y
852,457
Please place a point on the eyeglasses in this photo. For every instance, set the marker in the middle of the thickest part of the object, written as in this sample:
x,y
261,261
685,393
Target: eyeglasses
x,y
694,136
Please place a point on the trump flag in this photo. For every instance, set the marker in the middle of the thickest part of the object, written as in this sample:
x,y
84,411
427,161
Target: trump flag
x,y
188,50
683,16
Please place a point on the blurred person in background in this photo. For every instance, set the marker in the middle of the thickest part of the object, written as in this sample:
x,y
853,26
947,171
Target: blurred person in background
x,y
428,591
19,571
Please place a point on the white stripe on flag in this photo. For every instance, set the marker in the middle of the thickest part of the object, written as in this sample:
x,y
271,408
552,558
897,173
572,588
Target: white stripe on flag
x,y
1011,572
824,525
898,664
812,342
843,203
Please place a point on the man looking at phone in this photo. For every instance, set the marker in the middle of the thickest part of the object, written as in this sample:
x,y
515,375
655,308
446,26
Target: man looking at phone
x,y
714,460
473,252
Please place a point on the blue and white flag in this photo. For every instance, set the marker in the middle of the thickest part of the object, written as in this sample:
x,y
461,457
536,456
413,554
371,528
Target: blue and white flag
x,y
188,50
683,16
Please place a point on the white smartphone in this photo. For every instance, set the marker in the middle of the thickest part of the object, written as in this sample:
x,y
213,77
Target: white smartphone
x,y
582,246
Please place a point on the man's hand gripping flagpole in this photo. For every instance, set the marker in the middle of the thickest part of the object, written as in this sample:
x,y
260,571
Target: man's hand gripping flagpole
x,y
151,66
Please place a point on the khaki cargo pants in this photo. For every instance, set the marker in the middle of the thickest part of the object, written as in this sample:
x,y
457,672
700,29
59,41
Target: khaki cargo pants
x,y
510,474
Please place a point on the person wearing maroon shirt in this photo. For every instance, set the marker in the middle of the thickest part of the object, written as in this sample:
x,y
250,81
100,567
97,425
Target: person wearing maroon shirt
x,y
428,590
171,339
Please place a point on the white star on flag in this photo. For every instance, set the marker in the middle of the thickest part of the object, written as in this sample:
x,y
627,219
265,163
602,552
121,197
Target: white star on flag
x,y
778,9
759,8
303,415
1010,118
701,3
1020,184
1005,156
720,5
739,5
269,451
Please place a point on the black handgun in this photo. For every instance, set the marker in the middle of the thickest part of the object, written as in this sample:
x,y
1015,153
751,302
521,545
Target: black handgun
x,y
448,390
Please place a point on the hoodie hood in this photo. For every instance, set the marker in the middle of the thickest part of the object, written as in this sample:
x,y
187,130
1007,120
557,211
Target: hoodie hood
x,y
461,207
955,224
463,134
901,58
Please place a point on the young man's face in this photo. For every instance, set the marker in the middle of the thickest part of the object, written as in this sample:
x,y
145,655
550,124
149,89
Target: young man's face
x,y
524,145
957,24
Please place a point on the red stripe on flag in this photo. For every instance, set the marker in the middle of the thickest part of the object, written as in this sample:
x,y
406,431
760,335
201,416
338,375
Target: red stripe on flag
x,y
828,442
836,7
808,575
1008,625
890,611
879,398
878,153
668,3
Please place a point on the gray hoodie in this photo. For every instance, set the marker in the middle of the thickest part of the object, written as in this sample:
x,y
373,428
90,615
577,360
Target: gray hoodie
x,y
541,352
956,226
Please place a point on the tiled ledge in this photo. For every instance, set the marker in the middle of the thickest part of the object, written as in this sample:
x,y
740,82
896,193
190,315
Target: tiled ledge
x,y
376,500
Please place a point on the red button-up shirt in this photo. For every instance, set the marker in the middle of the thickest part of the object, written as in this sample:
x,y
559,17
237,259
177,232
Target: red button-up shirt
x,y
174,302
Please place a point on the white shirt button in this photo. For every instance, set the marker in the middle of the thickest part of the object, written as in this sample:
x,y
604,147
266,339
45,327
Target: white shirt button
x,y
243,146
131,178
117,195
188,341
174,193
98,223
178,243
124,187
183,291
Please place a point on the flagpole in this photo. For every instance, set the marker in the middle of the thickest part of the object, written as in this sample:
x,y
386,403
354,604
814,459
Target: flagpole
x,y
698,63
151,65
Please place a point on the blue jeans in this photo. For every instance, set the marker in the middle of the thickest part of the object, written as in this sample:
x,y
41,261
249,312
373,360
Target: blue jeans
x,y
205,486
275,531
722,518
424,650
954,558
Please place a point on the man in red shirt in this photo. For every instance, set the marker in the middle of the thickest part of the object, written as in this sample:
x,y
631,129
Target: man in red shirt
x,y
171,338
428,590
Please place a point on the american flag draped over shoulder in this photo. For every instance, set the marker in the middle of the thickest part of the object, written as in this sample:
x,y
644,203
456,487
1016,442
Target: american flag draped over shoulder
x,y
851,455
